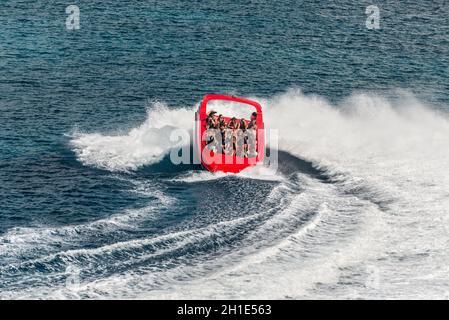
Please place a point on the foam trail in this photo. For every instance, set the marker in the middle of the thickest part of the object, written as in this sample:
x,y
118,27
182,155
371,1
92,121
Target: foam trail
x,y
387,212
394,153
385,208
143,145
362,126
259,172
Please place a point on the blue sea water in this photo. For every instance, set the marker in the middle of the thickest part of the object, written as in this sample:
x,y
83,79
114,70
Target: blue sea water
x,y
89,196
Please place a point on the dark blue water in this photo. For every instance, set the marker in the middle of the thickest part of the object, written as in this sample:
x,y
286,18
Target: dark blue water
x,y
127,56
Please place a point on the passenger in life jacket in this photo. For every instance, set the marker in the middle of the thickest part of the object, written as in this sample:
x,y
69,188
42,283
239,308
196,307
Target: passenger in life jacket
x,y
233,124
221,121
211,128
228,141
241,139
252,134
210,120
222,136
245,138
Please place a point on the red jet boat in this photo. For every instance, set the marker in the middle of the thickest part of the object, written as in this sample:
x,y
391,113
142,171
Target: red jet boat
x,y
219,159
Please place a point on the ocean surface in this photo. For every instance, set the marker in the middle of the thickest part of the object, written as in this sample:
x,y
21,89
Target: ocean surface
x,y
92,207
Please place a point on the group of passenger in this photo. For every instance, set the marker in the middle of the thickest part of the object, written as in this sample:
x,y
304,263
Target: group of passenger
x,y
237,137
